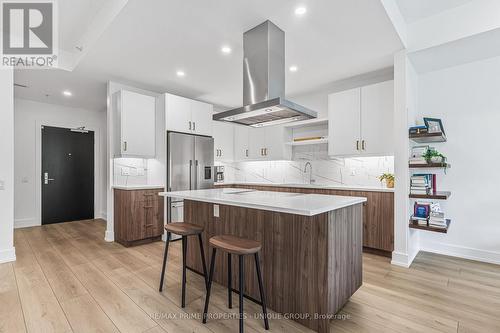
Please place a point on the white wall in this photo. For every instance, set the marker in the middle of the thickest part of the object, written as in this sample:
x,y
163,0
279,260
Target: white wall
x,y
7,251
467,99
29,117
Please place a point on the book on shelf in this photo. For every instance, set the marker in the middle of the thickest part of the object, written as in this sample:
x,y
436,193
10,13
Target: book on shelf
x,y
417,155
423,184
418,129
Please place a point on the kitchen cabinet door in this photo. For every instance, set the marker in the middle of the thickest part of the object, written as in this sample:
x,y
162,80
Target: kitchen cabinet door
x,y
223,141
178,113
344,127
275,148
257,143
377,119
137,114
241,139
201,118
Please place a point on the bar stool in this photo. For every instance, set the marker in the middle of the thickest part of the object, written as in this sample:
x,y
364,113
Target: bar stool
x,y
241,247
184,230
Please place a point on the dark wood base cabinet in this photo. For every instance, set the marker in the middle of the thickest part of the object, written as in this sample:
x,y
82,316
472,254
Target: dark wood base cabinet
x,y
378,214
138,216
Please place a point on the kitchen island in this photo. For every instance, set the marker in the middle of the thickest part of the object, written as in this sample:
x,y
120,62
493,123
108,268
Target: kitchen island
x,y
311,255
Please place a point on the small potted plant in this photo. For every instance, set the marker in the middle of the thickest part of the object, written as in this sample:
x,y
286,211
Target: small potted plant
x,y
433,156
389,179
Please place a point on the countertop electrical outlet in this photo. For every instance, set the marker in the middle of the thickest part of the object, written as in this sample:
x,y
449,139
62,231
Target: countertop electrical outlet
x,y
125,171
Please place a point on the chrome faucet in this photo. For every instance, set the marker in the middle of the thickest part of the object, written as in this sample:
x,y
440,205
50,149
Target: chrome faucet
x,y
310,171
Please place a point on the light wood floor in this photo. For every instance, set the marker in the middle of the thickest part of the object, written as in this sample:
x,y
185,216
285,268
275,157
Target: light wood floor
x,y
67,279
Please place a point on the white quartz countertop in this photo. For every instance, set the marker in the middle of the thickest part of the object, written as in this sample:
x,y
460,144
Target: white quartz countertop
x,y
315,186
293,203
138,187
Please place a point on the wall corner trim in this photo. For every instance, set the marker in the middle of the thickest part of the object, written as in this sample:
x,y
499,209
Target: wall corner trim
x,y
8,255
109,236
400,259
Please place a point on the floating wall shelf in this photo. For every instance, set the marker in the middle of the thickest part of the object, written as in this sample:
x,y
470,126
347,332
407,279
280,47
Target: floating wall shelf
x,y
429,165
428,137
439,195
307,142
414,225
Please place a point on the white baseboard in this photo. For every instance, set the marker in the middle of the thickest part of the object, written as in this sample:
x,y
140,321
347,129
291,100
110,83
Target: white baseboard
x,y
104,215
461,252
25,223
400,259
109,236
7,255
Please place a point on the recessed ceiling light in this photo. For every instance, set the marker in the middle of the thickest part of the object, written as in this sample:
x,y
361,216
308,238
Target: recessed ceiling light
x,y
293,68
226,49
181,74
67,93
299,11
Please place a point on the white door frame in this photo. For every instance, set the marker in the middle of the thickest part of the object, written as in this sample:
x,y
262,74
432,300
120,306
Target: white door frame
x,y
38,161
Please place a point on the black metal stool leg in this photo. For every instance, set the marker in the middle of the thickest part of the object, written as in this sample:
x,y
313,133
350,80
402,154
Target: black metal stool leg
x,y
261,289
229,282
164,261
242,274
202,252
207,299
184,252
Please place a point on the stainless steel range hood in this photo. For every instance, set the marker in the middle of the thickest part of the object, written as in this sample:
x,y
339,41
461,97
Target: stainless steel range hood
x,y
264,82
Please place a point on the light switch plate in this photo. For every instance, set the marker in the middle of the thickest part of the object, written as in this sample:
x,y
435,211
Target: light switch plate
x,y
125,171
2,185
216,211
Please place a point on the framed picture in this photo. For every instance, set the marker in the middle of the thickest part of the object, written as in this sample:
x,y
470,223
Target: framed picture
x,y
434,125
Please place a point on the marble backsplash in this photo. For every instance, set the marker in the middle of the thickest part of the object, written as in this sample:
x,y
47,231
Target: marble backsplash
x,y
359,171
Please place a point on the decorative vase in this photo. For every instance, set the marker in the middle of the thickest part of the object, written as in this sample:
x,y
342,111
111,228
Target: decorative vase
x,y
389,183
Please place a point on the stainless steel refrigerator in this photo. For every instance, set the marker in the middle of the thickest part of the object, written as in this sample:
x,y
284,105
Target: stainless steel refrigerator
x,y
190,166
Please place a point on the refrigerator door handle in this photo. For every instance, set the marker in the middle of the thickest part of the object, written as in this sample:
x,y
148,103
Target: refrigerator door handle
x,y
197,174
190,174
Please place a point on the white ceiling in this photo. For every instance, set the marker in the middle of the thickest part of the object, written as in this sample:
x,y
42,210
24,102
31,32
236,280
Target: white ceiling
x,y
149,40
414,10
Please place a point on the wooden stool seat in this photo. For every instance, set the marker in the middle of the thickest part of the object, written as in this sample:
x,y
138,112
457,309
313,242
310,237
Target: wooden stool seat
x,y
184,229
235,245
241,247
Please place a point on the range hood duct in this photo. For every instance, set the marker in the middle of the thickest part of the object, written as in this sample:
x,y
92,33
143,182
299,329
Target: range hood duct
x,y
264,82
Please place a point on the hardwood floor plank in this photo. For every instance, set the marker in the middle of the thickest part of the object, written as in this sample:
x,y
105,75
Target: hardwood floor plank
x,y
86,316
41,309
124,313
11,313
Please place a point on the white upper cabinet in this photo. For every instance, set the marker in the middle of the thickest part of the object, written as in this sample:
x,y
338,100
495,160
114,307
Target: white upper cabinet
x,y
275,147
178,113
201,117
344,123
188,116
135,124
377,118
257,143
223,141
360,121
265,143
241,140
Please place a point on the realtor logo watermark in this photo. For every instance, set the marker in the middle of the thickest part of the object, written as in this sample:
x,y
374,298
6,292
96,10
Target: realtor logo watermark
x,y
29,36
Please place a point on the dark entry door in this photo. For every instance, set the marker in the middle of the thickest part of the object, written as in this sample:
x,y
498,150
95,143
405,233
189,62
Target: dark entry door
x,y
67,175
